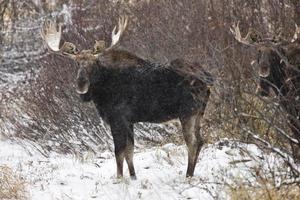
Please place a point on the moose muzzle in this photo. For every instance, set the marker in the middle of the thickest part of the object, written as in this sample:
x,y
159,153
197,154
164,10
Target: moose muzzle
x,y
82,82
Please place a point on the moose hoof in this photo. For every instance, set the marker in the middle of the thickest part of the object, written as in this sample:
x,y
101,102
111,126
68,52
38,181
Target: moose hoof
x,y
118,180
133,177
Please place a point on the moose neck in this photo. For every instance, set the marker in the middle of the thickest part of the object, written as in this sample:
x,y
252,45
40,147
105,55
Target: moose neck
x,y
278,75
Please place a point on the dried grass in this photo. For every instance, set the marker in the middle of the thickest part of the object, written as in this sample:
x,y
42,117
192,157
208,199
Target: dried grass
x,y
291,192
11,185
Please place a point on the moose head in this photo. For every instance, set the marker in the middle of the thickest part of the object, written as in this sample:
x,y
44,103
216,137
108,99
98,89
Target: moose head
x,y
85,59
274,59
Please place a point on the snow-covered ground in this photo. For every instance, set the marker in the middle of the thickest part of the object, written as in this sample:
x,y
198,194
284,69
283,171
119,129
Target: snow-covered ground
x,y
160,172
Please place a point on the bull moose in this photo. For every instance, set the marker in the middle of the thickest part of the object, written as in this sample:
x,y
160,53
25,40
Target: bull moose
x,y
127,89
279,69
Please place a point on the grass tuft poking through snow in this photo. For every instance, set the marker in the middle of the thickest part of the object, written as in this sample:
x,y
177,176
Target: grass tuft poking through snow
x,y
11,185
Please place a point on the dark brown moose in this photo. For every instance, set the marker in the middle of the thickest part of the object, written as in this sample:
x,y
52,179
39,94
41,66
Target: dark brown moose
x,y
127,89
279,69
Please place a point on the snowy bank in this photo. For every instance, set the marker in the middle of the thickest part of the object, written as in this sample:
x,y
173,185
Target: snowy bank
x,y
160,172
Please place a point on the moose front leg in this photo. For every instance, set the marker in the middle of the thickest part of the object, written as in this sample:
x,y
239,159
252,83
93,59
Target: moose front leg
x,y
122,132
119,138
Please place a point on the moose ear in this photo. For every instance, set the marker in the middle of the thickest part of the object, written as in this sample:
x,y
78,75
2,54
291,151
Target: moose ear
x,y
69,48
99,46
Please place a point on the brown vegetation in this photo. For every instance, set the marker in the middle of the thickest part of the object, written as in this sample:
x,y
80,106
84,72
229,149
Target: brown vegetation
x,y
11,185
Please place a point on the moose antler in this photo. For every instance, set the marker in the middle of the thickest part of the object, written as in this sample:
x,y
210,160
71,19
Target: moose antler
x,y
115,37
52,36
235,30
254,38
99,46
251,38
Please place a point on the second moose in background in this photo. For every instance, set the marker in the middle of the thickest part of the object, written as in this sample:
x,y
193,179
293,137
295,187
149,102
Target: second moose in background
x,y
278,62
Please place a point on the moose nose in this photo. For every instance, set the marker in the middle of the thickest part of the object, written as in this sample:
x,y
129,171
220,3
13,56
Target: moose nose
x,y
264,71
261,92
82,85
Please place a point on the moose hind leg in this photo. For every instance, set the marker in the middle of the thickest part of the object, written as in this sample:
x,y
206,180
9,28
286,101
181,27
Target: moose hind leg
x,y
193,139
